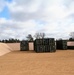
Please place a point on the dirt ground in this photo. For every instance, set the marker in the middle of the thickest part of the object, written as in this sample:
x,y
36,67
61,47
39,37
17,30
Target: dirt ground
x,y
31,63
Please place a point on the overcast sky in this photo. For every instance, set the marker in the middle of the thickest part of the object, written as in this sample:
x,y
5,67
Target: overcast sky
x,y
18,18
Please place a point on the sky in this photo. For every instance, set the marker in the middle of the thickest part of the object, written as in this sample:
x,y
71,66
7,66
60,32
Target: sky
x,y
18,18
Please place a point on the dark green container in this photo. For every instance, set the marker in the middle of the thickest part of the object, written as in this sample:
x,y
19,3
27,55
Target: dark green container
x,y
44,45
61,44
24,46
70,47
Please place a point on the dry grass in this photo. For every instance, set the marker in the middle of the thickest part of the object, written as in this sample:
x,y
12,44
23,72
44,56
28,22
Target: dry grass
x,y
31,63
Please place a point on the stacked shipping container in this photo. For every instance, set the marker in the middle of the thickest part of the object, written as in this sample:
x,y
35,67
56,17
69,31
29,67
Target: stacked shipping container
x,y
24,46
61,44
44,45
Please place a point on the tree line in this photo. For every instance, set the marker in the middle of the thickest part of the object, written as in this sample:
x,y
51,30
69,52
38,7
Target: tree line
x,y
31,38
11,40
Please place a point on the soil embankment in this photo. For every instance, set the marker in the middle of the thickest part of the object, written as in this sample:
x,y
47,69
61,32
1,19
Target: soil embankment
x,y
8,47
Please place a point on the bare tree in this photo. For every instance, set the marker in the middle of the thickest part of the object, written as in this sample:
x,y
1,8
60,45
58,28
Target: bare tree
x,y
72,35
42,35
39,35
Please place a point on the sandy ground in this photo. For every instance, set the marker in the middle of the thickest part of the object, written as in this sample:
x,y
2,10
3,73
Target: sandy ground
x,y
8,47
14,46
31,63
70,43
4,48
31,46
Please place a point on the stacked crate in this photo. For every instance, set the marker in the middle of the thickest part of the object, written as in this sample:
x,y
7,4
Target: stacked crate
x,y
44,45
24,46
61,44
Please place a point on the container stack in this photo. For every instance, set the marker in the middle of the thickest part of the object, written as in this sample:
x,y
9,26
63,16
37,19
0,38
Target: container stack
x,y
61,44
44,45
24,46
